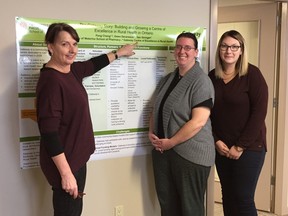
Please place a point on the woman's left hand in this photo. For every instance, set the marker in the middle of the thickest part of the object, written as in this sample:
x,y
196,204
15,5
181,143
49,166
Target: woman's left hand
x,y
164,145
234,153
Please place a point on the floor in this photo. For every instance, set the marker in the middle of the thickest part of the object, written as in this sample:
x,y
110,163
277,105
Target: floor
x,y
218,211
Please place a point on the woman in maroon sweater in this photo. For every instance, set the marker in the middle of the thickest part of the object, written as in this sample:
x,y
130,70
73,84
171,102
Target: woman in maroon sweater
x,y
63,115
238,123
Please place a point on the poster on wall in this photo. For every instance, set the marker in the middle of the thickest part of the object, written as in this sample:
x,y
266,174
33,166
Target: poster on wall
x,y
119,95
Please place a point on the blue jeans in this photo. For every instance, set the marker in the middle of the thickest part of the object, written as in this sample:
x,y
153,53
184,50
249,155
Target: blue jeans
x,y
63,203
238,180
180,184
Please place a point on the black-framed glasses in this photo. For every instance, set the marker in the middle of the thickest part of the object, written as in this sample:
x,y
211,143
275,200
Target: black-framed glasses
x,y
233,48
186,47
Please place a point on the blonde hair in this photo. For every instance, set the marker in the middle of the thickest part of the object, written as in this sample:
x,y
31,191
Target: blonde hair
x,y
241,67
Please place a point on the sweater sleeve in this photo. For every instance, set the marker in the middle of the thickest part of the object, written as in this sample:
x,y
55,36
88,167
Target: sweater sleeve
x,y
258,96
87,68
211,75
100,62
49,111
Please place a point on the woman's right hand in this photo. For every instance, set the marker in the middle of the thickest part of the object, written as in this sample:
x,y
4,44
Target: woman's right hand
x,y
155,141
222,148
69,184
68,181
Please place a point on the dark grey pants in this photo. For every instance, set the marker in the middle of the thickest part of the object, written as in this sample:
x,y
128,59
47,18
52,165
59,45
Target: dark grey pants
x,y
63,203
180,184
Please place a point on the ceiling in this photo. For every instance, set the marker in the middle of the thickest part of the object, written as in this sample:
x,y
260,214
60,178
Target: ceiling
x,y
225,3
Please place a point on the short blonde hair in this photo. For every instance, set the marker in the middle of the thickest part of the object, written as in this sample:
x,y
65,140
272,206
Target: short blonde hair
x,y
241,64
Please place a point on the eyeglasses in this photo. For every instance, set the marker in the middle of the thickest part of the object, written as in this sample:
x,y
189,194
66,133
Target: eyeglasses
x,y
186,48
233,48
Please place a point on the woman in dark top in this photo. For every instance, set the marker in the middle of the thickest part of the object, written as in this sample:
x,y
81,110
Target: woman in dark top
x,y
63,115
238,124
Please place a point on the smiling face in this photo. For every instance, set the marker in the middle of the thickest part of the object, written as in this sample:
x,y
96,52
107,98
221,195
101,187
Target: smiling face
x,y
64,49
185,53
230,51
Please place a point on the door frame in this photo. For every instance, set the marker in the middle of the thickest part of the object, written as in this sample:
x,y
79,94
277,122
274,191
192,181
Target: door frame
x,y
266,14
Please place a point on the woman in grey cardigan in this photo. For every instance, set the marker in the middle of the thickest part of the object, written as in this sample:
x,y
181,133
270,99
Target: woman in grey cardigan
x,y
180,131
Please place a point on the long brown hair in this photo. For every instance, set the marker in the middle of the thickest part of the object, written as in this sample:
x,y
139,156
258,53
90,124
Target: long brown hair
x,y
241,66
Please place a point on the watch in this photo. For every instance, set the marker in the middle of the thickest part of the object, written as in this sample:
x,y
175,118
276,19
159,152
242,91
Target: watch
x,y
239,149
115,53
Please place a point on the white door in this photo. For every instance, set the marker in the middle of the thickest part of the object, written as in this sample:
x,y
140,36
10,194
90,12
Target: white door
x,y
264,15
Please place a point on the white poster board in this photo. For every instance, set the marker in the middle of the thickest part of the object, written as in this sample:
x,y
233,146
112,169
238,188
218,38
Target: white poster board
x,y
119,95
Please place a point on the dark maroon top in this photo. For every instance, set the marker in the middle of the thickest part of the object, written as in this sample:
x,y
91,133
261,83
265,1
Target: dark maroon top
x,y
64,118
239,112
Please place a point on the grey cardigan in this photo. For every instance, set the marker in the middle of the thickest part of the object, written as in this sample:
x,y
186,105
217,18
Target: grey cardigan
x,y
195,87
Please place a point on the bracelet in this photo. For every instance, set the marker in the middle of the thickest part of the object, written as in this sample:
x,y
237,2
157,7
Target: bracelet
x,y
115,53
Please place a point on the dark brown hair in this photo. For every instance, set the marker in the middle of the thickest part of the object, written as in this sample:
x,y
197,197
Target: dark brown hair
x,y
189,35
55,28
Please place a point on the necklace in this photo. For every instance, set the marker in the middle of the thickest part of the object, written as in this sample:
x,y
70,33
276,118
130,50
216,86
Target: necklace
x,y
178,75
228,77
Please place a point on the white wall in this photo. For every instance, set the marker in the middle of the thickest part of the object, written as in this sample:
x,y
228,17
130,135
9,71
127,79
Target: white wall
x,y
126,181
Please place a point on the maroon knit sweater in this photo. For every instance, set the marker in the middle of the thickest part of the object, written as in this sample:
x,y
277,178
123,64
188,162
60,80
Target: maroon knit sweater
x,y
64,118
239,112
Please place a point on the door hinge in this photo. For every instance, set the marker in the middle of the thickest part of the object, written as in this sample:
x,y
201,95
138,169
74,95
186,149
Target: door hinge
x,y
275,102
273,179
278,22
